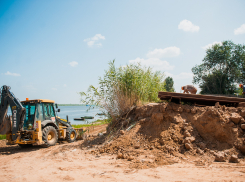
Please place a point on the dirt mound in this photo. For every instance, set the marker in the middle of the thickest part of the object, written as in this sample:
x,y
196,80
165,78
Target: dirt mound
x,y
158,134
3,143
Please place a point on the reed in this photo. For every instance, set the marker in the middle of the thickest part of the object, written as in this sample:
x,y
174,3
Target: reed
x,y
122,88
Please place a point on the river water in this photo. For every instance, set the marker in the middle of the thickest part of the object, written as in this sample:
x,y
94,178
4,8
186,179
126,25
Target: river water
x,y
77,112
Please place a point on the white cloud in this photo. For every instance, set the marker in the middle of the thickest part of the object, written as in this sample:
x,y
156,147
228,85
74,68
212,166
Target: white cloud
x,y
187,26
154,63
12,74
210,45
240,30
54,89
181,76
94,41
167,52
64,85
73,63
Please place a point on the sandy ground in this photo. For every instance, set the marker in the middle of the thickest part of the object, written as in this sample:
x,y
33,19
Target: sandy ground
x,y
74,162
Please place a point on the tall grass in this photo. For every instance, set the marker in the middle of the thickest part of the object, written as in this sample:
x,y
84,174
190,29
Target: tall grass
x,y
140,82
121,88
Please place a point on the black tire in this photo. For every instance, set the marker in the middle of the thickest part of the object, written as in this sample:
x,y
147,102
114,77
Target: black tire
x,y
71,135
50,136
25,145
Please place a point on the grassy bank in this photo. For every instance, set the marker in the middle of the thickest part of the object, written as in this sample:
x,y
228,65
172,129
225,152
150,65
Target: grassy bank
x,y
96,123
2,137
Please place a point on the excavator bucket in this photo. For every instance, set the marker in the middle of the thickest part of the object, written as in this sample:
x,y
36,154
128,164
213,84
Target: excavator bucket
x,y
5,125
5,121
7,99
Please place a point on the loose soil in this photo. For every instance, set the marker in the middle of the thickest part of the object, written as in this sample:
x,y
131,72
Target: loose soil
x,y
155,142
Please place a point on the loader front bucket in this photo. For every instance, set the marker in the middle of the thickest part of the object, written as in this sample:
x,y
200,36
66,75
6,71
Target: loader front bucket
x,y
81,133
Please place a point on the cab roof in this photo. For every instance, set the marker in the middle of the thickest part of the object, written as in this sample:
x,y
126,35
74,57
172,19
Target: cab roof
x,y
39,100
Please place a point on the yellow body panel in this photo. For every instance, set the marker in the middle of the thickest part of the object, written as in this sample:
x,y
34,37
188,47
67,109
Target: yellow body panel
x,y
62,133
39,132
61,119
36,136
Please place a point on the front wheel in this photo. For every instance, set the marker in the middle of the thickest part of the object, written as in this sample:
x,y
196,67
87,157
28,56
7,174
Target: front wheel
x,y
50,136
71,135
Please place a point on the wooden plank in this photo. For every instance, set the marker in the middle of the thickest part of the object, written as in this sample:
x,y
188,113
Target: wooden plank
x,y
202,99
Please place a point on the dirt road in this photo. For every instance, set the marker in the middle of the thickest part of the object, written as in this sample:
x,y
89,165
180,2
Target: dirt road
x,y
74,162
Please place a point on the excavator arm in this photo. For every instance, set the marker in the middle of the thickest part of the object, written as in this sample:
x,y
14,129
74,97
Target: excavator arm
x,y
18,113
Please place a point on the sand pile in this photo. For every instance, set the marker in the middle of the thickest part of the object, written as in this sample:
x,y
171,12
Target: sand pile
x,y
3,143
158,134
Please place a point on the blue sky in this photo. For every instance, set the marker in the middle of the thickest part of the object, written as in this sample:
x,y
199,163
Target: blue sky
x,y
55,49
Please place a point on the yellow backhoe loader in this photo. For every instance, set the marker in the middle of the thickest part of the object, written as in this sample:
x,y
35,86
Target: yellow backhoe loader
x,y
33,121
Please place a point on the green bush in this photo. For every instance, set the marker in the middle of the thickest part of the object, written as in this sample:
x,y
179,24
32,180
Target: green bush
x,y
2,137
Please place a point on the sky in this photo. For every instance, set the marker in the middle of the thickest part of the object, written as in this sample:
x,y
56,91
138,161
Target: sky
x,y
56,49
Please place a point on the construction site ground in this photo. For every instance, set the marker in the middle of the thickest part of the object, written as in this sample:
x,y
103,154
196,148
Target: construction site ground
x,y
158,142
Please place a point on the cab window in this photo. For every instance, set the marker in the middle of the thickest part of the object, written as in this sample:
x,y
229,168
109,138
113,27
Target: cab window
x,y
30,114
39,112
48,110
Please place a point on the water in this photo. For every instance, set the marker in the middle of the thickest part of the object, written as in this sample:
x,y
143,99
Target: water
x,y
77,112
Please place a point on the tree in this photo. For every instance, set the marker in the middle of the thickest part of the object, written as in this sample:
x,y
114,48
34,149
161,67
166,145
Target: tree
x,y
222,68
169,83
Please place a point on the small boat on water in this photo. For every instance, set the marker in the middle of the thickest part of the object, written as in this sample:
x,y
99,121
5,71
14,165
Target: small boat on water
x,y
79,119
100,114
88,117
84,117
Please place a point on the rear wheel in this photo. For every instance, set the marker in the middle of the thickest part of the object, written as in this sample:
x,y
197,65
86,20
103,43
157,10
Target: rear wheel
x,y
71,135
50,136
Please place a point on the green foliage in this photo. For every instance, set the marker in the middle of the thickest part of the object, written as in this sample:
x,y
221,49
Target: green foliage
x,y
169,84
239,91
120,88
222,68
2,137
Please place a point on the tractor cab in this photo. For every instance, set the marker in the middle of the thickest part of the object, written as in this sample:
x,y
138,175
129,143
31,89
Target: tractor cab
x,y
39,110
